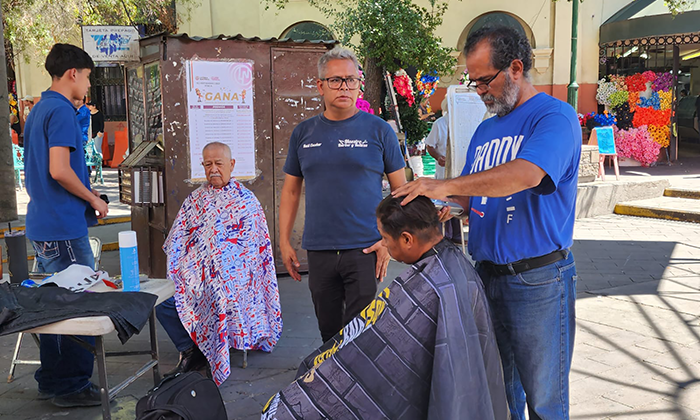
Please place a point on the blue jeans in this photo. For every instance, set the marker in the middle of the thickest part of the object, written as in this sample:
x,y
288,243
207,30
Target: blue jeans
x,y
167,315
66,367
534,321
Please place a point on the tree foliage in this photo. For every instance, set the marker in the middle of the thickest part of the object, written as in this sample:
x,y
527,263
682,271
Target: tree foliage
x,y
679,6
387,34
35,25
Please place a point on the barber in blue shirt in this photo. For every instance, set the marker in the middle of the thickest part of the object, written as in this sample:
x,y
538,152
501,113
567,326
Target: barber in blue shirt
x,y
519,186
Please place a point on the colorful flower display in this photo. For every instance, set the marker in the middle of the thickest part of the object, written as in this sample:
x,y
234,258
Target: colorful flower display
x,y
404,87
624,116
650,116
633,101
649,75
661,134
604,119
618,98
636,83
426,83
651,102
464,77
637,144
666,99
605,89
641,106
664,82
363,105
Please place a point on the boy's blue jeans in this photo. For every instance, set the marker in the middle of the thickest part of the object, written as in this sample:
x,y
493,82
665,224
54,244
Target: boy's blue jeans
x,y
534,321
66,367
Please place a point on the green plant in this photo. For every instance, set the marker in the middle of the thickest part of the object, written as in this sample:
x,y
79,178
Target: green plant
x,y
412,125
33,26
387,35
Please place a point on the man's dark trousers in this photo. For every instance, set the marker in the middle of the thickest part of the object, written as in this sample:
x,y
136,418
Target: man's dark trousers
x,y
342,284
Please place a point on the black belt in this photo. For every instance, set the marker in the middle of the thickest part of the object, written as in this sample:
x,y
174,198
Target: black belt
x,y
525,265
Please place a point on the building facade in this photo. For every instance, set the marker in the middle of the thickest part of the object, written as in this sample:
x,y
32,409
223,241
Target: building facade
x,y
546,23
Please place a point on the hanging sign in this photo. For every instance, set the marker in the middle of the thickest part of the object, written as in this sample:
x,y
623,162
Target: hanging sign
x,y
111,43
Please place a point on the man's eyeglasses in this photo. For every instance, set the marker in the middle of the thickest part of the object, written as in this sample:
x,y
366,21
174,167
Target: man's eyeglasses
x,y
336,82
484,85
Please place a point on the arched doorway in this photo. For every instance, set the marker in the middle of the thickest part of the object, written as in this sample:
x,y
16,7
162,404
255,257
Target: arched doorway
x,y
490,19
308,30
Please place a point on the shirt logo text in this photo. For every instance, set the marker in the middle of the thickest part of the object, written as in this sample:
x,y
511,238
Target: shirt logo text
x,y
496,152
352,143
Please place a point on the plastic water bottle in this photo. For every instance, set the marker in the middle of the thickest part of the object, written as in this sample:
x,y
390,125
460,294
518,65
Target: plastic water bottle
x,y
129,260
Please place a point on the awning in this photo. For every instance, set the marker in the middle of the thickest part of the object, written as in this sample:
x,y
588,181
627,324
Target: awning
x,y
648,22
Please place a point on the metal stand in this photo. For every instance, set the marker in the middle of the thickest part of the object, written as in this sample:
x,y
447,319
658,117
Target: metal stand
x,y
16,361
98,350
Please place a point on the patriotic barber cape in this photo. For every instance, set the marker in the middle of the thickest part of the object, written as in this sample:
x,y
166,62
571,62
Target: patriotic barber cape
x,y
424,349
220,258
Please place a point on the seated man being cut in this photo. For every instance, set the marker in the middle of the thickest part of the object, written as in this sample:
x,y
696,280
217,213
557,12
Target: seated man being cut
x,y
425,348
220,258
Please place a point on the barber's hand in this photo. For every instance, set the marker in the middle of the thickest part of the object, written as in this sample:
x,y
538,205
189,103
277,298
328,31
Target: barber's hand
x,y
441,161
444,214
99,205
382,259
431,188
291,263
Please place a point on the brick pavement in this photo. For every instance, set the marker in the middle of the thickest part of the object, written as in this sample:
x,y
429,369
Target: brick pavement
x,y
636,346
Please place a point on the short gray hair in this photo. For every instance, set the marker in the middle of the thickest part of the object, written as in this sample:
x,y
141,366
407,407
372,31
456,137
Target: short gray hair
x,y
227,149
337,53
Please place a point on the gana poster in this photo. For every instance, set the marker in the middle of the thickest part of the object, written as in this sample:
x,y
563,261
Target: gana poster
x,y
220,108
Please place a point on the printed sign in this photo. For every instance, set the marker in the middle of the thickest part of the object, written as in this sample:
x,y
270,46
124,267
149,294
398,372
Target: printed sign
x,y
111,43
220,108
606,140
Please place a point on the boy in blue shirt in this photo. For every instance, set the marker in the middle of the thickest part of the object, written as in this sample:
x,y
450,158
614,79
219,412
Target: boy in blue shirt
x,y
519,186
62,206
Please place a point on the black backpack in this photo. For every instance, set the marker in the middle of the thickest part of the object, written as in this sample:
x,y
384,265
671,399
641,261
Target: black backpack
x,y
185,396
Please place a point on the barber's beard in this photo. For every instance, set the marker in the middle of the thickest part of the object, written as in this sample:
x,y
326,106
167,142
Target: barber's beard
x,y
504,104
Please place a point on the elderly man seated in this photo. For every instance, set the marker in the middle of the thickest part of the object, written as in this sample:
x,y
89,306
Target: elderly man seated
x,y
425,348
220,258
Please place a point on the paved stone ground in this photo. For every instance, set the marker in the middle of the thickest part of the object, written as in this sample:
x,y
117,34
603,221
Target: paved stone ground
x,y
637,340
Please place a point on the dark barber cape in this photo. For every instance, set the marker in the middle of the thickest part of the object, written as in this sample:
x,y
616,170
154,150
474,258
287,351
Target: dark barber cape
x,y
23,308
424,349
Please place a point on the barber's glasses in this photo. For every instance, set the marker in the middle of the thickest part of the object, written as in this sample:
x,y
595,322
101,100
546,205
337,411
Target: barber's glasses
x,y
483,85
352,83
